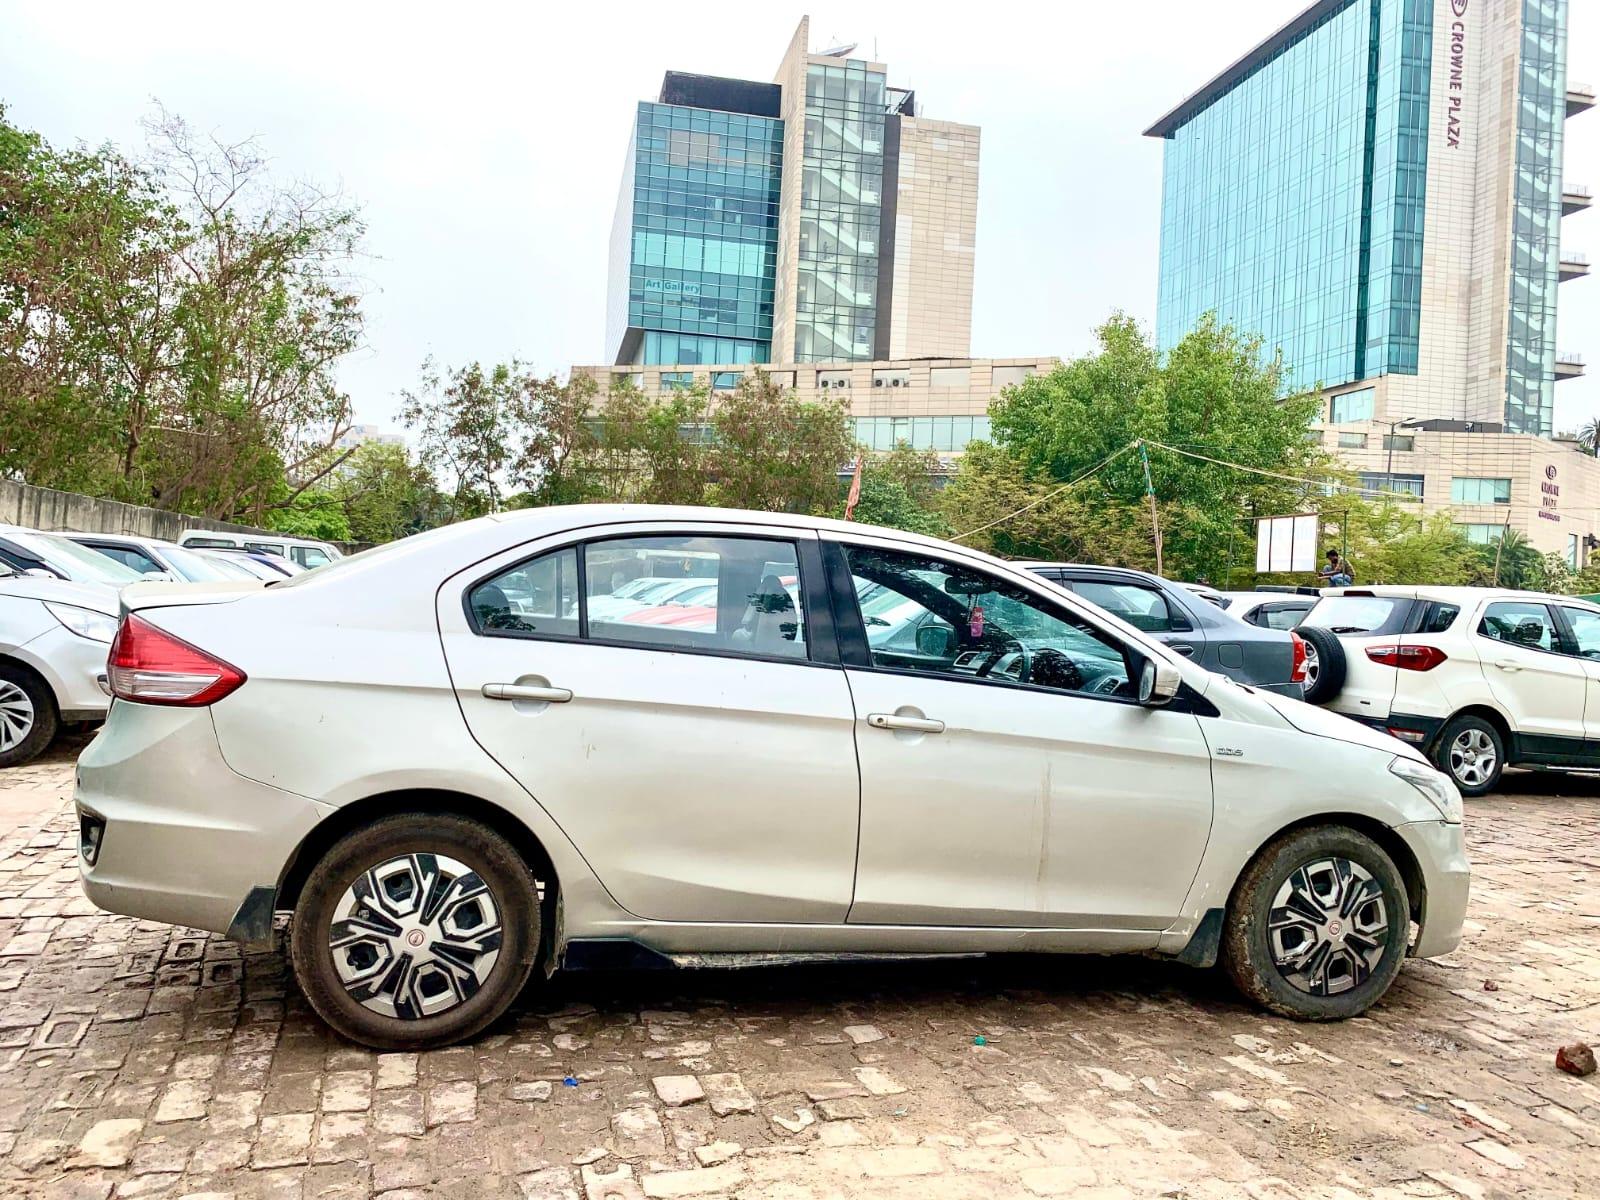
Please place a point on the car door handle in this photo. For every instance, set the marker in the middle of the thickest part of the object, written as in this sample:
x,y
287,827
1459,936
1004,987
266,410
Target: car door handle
x,y
520,691
1506,664
1183,648
895,721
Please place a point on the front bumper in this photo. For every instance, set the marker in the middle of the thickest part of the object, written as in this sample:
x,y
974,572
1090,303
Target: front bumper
x,y
185,840
73,666
1441,854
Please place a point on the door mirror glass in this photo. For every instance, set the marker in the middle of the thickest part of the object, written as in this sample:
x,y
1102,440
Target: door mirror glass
x,y
1158,683
936,640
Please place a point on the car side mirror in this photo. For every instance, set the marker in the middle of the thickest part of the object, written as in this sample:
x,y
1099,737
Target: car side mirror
x,y
934,640
1158,683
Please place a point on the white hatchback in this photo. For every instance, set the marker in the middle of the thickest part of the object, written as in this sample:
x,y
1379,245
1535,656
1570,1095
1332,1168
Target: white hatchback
x,y
1477,678
451,762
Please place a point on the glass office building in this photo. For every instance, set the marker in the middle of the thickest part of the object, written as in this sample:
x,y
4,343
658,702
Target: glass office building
x,y
1293,192
702,234
841,200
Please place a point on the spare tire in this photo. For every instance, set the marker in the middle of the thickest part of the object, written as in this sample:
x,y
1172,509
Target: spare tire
x,y
1326,666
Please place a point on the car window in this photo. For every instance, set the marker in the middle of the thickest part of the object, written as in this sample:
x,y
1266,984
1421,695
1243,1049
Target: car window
x,y
1585,630
1520,623
1144,608
79,562
205,543
1353,614
310,556
722,594
539,597
128,556
267,548
929,614
1278,617
1439,618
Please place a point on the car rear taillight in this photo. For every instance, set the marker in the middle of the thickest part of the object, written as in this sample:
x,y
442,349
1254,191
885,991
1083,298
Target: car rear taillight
x,y
1297,672
151,666
1407,658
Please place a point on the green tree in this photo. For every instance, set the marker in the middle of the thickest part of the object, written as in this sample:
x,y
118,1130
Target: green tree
x,y
651,449
1212,394
469,421
900,490
387,496
774,452
313,513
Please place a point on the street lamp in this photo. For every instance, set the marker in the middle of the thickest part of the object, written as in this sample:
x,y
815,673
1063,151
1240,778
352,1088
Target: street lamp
x,y
1388,470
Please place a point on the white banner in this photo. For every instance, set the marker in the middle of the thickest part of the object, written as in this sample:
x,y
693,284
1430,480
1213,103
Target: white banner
x,y
1285,544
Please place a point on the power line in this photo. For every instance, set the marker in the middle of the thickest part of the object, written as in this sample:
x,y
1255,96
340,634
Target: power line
x,y
1049,495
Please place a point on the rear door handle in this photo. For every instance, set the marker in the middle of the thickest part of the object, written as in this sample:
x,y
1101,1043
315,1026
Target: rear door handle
x,y
521,691
1183,648
1507,665
895,721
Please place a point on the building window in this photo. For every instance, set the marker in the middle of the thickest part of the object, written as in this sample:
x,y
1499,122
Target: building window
x,y
623,379
1572,551
1479,534
673,381
950,377
1392,441
1352,441
1376,483
1472,490
1002,377
827,380
1352,406
725,381
891,377
921,433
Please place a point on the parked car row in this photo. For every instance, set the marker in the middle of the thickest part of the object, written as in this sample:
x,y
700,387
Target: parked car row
x,y
59,610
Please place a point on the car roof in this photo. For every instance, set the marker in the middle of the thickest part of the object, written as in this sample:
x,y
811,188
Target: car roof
x,y
1450,594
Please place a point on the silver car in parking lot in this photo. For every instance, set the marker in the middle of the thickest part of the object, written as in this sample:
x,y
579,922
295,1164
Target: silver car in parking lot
x,y
453,765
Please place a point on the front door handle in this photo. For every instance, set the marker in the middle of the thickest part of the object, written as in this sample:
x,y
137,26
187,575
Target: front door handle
x,y
1183,648
521,691
895,721
1506,664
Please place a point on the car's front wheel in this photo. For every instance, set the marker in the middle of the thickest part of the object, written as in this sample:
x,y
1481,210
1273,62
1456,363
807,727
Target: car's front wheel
x,y
416,931
1317,925
28,718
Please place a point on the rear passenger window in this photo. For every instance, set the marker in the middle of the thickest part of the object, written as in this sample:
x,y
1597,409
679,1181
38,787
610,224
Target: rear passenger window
x,y
1143,608
720,594
1281,618
1519,623
538,598
1439,618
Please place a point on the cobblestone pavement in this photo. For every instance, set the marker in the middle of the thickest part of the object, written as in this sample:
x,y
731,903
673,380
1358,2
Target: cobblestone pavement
x,y
137,1060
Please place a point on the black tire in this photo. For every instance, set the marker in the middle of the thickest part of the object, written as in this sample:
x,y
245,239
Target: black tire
x,y
1469,766
35,713
1247,952
513,898
1332,667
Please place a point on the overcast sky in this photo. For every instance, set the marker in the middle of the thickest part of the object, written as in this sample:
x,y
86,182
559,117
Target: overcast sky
x,y
484,143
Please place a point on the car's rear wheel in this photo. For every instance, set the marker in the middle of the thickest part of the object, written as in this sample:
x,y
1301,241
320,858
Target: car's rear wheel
x,y
1317,925
28,717
416,931
1472,752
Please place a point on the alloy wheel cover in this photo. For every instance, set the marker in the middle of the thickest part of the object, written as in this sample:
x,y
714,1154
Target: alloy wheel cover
x,y
1328,927
16,715
415,936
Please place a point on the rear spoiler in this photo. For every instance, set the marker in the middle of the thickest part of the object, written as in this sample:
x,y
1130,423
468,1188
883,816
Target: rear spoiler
x,y
181,595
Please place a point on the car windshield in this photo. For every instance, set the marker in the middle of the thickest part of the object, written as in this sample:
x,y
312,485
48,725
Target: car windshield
x,y
196,568
1351,614
227,568
79,562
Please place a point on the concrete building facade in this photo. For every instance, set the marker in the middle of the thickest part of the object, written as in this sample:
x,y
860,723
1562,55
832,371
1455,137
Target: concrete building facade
x,y
1377,189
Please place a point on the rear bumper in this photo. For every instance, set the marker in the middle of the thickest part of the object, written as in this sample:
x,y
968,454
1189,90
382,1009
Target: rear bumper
x,y
1408,727
1441,854
186,840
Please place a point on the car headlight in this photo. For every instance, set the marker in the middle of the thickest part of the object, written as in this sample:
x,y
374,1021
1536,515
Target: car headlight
x,y
1432,784
84,622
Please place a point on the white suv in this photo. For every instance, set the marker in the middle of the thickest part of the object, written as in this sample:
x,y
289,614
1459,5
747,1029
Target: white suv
x,y
1478,678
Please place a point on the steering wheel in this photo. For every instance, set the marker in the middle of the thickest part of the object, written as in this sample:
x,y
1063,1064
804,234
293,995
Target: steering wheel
x,y
1053,669
1024,659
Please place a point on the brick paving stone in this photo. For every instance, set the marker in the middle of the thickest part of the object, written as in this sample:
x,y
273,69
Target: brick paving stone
x,y
138,1060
